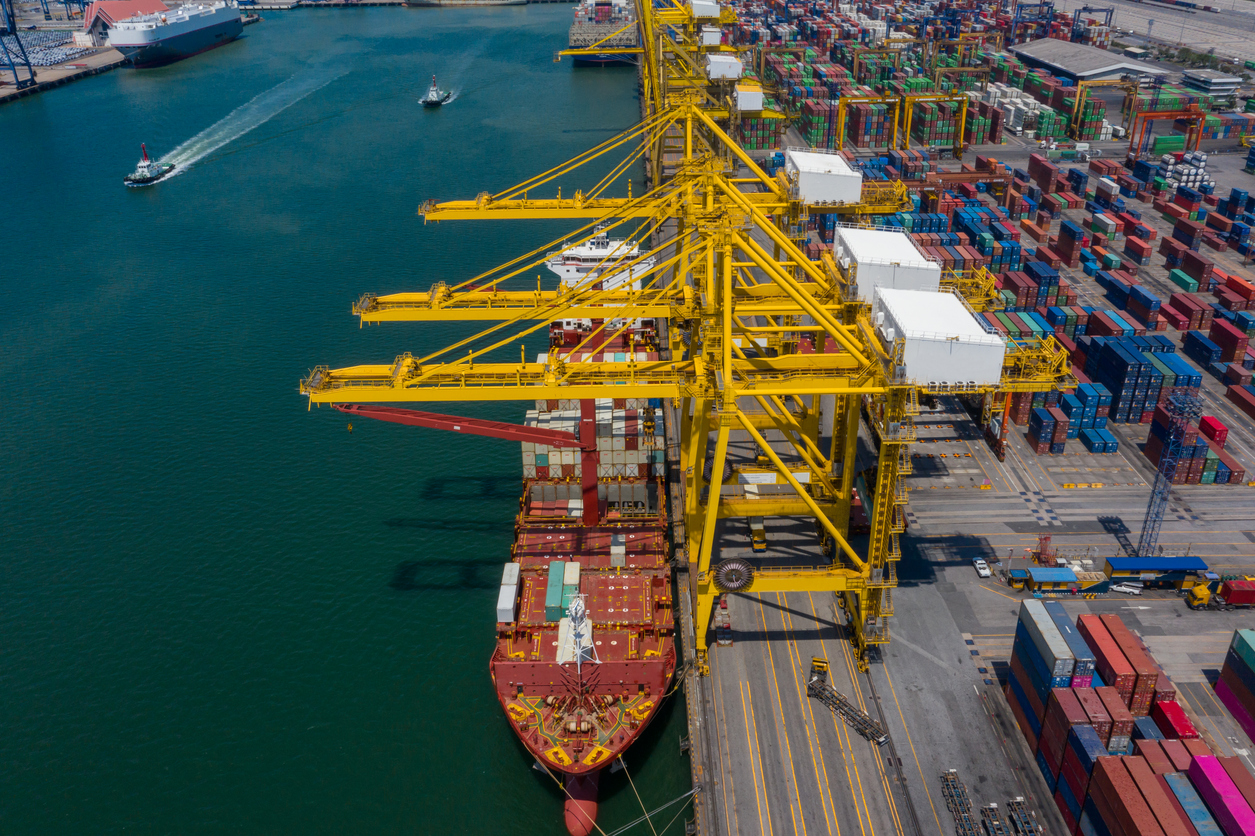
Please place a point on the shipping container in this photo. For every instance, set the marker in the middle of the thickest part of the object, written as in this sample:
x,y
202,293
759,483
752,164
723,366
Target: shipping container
x,y
1221,795
1109,661
1192,803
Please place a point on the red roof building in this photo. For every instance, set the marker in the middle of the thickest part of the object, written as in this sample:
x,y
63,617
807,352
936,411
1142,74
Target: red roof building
x,y
103,14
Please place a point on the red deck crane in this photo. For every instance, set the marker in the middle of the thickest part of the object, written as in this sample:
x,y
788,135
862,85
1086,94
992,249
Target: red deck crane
x,y
589,457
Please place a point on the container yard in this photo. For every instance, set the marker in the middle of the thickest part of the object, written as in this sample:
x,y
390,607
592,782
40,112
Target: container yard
x,y
950,313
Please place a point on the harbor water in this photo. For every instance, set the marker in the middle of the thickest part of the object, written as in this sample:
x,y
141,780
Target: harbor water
x,y
223,613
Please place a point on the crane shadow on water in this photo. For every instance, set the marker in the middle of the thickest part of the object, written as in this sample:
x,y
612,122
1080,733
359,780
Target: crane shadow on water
x,y
445,575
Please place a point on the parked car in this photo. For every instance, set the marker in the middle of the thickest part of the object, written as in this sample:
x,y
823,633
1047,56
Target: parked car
x,y
1126,588
982,568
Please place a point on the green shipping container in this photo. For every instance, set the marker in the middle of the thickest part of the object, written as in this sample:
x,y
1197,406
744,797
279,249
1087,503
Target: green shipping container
x,y
1183,281
553,591
1243,644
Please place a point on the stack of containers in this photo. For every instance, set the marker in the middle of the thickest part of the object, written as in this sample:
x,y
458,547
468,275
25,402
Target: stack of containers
x,y
1147,671
1079,735
1232,811
1232,342
1040,661
1236,687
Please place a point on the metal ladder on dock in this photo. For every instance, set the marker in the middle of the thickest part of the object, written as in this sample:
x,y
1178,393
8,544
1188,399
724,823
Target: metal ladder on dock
x,y
958,803
817,686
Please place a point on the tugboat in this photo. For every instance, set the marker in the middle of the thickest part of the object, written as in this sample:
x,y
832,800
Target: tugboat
x,y
148,171
435,96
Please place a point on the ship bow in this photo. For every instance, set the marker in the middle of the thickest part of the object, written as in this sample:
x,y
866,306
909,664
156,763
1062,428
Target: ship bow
x,y
580,810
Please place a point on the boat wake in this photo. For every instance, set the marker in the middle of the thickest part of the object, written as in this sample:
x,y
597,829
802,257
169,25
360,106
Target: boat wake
x,y
252,114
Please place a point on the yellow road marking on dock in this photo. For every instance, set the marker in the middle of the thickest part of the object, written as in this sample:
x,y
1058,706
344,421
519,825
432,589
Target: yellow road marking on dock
x,y
1224,712
784,728
726,749
852,670
996,592
907,729
808,710
762,801
847,751
1220,738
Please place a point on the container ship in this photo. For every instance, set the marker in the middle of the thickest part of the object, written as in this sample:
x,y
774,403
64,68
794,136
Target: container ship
x,y
598,19
585,623
152,40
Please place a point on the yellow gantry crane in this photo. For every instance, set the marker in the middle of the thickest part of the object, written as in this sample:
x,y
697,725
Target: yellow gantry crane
x,y
715,249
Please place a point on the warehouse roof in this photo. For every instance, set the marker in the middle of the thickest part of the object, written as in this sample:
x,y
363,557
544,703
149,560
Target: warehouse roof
x,y
1049,574
1157,564
1080,61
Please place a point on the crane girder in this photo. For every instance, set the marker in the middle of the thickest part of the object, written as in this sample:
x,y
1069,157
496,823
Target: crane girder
x,y
407,381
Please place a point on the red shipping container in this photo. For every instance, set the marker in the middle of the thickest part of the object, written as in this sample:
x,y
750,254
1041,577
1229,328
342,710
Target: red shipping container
x,y
1096,713
1164,689
1154,755
1176,805
1171,720
1069,821
1063,712
1152,794
1114,669
1238,592
1241,287
1196,747
1120,802
1074,773
1039,710
1145,667
1241,778
1243,400
1177,753
1121,717
1021,719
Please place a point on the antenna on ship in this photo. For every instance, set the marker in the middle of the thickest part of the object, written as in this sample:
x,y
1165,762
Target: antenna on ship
x,y
581,634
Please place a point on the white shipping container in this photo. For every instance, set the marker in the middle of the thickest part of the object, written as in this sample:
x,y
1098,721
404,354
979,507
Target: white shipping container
x,y
510,575
1046,638
507,597
711,35
944,344
571,572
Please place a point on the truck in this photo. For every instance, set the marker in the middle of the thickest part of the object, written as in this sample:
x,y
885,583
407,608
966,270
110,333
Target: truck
x,y
1222,595
758,535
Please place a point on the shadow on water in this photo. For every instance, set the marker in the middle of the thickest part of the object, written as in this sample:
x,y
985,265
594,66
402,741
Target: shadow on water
x,y
445,575
479,526
463,487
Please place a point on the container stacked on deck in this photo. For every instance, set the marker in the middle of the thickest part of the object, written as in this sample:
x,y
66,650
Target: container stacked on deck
x,y
1236,687
629,439
1084,737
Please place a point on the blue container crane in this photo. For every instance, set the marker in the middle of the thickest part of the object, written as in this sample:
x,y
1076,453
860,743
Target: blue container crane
x,y
1182,409
15,57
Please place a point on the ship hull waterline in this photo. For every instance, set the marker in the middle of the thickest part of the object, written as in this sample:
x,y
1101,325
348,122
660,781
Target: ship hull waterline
x,y
182,46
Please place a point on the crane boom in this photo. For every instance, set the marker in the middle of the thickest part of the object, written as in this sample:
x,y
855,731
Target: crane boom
x,y
586,442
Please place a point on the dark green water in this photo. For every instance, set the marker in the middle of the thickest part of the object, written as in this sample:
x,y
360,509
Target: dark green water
x,y
221,613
